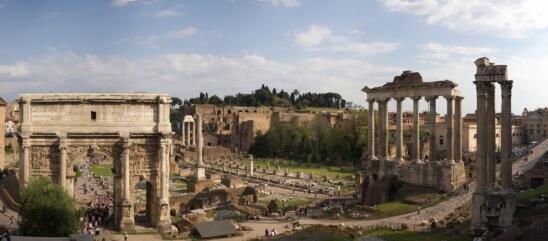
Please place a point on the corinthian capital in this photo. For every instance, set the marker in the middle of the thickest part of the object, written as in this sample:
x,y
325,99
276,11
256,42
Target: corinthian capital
x,y
506,87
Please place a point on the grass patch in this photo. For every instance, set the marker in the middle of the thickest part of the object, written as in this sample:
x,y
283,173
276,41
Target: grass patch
x,y
404,235
524,196
308,169
395,208
102,169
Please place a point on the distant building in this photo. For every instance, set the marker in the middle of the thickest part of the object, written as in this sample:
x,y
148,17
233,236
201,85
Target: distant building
x,y
236,127
535,124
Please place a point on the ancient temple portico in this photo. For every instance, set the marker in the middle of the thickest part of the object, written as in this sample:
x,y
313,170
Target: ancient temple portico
x,y
445,174
493,205
188,132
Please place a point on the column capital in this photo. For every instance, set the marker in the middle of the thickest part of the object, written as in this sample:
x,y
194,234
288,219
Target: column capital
x,y
482,87
383,101
371,100
506,87
126,142
399,99
459,98
416,98
431,98
449,97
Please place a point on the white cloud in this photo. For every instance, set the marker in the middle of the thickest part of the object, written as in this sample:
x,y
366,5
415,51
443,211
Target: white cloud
x,y
314,36
152,40
319,37
283,3
507,18
16,70
365,48
444,51
121,3
184,75
170,12
183,33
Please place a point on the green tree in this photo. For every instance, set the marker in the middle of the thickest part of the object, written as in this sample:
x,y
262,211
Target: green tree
x,y
47,210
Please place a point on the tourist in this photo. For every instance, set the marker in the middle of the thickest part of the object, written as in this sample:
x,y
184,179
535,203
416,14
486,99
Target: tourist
x,y
418,210
266,232
125,236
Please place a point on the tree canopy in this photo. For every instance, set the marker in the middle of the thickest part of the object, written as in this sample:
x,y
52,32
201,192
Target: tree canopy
x,y
317,142
264,96
47,210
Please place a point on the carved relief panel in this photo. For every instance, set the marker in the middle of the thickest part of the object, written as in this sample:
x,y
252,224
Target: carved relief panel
x,y
44,160
143,158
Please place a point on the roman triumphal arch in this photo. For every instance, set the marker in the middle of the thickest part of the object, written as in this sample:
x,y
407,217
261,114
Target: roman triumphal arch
x,y
131,131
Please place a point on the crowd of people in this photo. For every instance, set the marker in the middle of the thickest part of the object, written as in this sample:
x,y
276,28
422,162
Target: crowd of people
x,y
98,210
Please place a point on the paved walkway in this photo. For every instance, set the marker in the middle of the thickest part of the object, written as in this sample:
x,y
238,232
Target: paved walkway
x,y
521,166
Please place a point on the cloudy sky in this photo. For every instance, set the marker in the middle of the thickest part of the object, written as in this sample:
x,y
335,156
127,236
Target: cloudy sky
x,y
228,46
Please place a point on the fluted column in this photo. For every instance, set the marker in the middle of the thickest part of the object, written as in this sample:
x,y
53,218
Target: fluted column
x,y
458,130
481,141
432,125
384,128
399,129
506,135
25,162
491,136
164,175
63,164
126,170
416,130
371,130
449,124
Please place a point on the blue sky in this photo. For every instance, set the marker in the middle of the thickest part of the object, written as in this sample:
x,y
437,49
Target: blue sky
x,y
228,46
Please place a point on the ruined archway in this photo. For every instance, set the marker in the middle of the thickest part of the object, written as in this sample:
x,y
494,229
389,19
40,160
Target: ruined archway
x,y
131,131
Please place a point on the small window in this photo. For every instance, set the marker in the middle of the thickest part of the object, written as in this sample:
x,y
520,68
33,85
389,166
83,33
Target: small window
x,y
93,115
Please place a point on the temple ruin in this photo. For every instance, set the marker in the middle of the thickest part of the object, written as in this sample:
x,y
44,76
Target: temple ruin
x,y
493,204
441,172
131,131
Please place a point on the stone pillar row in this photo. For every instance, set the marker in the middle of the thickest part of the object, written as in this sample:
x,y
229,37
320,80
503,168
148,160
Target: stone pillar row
x,y
454,129
486,136
188,129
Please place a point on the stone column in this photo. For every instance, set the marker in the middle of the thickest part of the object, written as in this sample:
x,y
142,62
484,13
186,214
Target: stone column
x,y
458,130
481,140
127,223
432,125
251,168
183,132
371,130
200,167
164,222
383,137
25,162
416,130
194,135
63,164
126,171
164,185
491,136
449,124
399,129
506,135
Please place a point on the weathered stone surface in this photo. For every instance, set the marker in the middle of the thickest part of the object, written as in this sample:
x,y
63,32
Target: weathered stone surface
x,y
131,131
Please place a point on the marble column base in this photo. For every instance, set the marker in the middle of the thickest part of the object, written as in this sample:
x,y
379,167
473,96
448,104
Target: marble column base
x,y
128,222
